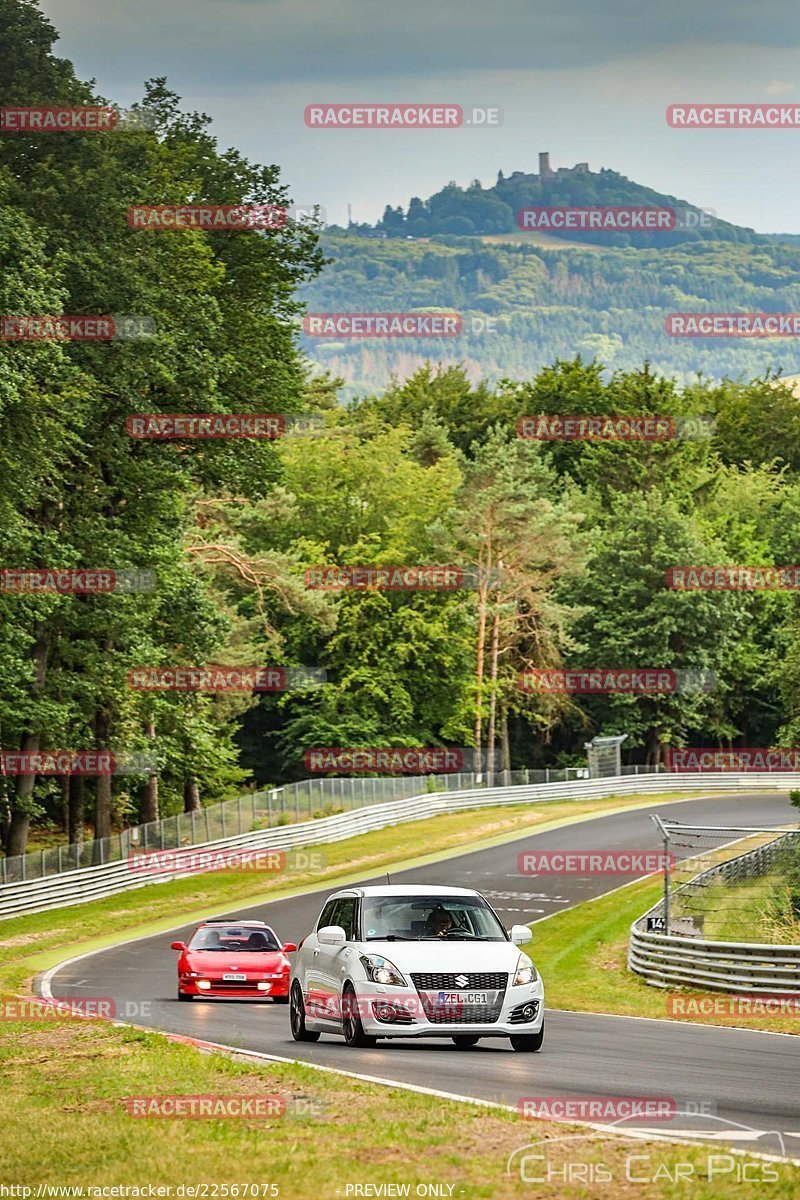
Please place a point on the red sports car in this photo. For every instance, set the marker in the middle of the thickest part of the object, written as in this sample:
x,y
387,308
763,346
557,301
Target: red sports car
x,y
242,960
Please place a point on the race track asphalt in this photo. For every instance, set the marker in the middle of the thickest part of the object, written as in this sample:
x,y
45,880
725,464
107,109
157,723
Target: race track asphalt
x,y
744,1077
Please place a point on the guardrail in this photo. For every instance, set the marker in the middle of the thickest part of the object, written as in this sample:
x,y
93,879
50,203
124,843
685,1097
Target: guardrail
x,y
92,883
743,967
308,799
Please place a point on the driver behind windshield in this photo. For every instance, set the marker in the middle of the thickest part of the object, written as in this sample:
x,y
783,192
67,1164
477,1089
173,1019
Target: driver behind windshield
x,y
440,922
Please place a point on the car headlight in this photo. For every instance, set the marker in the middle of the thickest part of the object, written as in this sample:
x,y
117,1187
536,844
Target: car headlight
x,y
380,970
190,974
526,972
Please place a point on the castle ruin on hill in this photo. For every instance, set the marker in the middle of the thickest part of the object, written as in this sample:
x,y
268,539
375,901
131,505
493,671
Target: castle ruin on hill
x,y
547,172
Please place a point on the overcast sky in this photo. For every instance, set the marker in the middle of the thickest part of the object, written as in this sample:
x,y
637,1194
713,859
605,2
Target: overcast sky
x,y
588,80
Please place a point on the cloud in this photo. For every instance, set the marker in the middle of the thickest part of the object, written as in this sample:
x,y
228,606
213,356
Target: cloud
x,y
322,41
777,87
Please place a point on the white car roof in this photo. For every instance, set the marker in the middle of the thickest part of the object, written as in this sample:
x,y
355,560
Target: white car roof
x,y
404,889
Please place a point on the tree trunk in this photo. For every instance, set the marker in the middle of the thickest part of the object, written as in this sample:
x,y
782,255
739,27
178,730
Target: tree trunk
x,y
19,827
5,806
483,591
653,748
102,816
77,809
150,798
191,794
504,742
64,781
491,734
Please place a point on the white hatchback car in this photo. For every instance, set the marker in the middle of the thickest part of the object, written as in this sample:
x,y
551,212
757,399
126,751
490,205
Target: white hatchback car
x,y
409,962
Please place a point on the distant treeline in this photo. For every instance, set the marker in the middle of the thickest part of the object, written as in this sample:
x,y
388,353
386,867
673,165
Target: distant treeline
x,y
492,210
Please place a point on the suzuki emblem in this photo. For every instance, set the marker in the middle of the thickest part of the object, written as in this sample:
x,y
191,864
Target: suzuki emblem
x,y
462,980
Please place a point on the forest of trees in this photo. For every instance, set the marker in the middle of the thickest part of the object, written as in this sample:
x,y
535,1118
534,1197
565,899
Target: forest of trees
x,y
549,302
493,210
575,537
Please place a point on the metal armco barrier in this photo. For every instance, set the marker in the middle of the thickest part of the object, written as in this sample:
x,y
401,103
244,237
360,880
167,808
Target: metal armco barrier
x,y
92,883
743,967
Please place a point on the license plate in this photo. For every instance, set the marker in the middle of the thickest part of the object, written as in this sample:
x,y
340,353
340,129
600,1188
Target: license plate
x,y
463,998
235,978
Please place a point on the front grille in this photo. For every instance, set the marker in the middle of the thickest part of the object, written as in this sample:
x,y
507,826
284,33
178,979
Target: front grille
x,y
430,981
470,1014
241,985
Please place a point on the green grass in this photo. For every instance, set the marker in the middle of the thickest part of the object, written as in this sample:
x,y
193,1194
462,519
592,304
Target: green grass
x,y
65,1121
744,911
582,956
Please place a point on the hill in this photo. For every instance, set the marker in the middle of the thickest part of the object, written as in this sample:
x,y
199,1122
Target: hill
x,y
497,209
529,298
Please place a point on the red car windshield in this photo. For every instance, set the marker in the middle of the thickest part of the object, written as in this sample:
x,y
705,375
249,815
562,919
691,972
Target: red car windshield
x,y
234,939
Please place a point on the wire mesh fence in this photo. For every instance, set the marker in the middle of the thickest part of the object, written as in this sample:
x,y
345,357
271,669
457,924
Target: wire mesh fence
x,y
737,884
271,807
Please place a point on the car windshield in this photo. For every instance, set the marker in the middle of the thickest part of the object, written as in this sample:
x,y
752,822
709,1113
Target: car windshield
x,y
429,918
233,939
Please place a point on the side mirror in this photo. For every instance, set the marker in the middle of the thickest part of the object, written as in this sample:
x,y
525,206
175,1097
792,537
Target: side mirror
x,y
289,947
179,945
521,935
331,935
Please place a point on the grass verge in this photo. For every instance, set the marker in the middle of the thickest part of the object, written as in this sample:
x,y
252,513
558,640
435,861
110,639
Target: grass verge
x,y
582,956
65,1122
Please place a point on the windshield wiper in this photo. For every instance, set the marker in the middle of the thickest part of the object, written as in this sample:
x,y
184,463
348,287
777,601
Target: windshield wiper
x,y
391,937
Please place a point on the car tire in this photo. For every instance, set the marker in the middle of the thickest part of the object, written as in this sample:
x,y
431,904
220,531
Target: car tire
x,y
528,1042
352,1027
184,996
297,1017
280,999
464,1041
